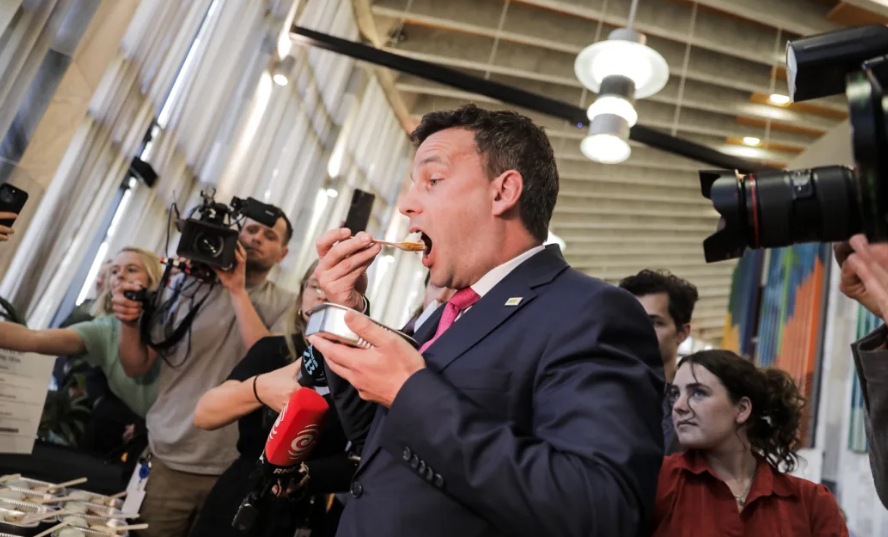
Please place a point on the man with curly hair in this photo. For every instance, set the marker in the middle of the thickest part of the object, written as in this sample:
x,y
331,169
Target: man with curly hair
x,y
669,302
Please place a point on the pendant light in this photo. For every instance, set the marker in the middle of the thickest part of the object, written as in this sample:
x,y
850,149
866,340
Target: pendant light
x,y
621,69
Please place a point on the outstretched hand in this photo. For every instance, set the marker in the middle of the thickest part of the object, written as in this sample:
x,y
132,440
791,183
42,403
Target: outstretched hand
x,y
127,311
276,388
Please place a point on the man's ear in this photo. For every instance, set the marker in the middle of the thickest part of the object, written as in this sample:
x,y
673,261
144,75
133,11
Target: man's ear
x,y
683,332
508,187
284,251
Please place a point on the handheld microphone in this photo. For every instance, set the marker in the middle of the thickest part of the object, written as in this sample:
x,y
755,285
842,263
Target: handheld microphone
x,y
292,438
295,432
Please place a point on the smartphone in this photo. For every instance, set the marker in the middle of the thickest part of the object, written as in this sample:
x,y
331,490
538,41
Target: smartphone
x,y
359,211
12,200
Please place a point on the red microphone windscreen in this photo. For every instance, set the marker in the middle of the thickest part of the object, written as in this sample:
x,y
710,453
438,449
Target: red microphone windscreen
x,y
296,430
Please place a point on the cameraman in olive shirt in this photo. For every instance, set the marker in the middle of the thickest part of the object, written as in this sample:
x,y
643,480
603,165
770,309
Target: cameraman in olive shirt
x,y
187,461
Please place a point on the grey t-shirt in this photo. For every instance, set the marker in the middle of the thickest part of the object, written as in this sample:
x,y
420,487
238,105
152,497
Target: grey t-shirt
x,y
216,346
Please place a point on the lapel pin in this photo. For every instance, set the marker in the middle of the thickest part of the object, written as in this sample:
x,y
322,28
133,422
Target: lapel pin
x,y
513,301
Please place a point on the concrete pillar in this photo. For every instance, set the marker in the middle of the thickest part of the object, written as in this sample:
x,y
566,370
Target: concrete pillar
x,y
88,58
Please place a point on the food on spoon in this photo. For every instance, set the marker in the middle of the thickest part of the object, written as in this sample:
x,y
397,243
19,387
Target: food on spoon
x,y
19,484
81,495
76,521
71,532
414,243
10,494
414,246
76,508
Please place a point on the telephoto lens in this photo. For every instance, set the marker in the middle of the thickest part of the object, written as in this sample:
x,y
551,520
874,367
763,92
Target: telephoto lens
x,y
781,208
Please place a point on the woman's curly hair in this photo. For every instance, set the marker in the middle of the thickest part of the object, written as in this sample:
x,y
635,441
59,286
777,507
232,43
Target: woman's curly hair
x,y
773,427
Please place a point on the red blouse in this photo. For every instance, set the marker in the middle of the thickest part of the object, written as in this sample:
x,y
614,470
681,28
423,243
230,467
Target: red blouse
x,y
693,502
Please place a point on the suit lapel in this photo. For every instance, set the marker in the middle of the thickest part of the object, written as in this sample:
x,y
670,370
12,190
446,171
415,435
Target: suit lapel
x,y
427,329
495,308
490,312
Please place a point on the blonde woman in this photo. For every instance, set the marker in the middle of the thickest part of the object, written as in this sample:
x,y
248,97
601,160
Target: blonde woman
x,y
254,393
97,340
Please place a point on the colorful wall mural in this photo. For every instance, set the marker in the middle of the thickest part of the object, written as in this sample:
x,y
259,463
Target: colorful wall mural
x,y
785,329
740,326
866,323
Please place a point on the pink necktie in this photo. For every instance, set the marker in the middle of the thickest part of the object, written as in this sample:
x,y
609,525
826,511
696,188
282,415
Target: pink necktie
x,y
460,302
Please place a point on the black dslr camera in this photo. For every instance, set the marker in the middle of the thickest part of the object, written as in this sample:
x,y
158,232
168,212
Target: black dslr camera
x,y
142,295
827,204
210,238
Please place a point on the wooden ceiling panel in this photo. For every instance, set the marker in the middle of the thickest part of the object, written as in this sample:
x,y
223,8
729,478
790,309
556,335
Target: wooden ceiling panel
x,y
851,15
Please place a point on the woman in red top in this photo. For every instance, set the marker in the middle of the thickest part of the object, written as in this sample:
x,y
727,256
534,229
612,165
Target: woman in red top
x,y
739,424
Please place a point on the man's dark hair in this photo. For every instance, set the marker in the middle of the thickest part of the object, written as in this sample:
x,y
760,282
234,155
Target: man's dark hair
x,y
507,141
289,234
682,293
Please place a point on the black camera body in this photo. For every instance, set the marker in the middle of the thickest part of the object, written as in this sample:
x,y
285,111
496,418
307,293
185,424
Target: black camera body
x,y
142,295
210,237
827,204
207,243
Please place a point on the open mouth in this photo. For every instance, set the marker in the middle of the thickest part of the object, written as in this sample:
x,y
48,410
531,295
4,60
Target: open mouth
x,y
419,235
427,241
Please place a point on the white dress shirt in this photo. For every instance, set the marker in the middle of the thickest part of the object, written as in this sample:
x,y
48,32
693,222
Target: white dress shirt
x,y
489,280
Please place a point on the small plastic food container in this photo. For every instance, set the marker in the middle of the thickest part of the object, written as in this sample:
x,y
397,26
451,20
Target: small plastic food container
x,y
92,497
27,496
26,483
71,531
96,509
93,522
11,508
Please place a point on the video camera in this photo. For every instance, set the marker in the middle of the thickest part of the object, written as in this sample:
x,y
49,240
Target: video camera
x,y
826,204
208,241
210,238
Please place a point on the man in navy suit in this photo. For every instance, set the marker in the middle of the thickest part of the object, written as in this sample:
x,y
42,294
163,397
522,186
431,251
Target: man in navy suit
x,y
533,407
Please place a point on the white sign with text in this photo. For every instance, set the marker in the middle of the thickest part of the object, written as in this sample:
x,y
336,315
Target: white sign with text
x,y
24,381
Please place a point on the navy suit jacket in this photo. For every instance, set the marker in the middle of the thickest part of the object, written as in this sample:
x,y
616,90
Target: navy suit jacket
x,y
537,419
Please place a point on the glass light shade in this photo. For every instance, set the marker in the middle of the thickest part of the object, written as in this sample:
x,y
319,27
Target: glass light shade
x,y
751,140
640,63
612,104
605,148
779,99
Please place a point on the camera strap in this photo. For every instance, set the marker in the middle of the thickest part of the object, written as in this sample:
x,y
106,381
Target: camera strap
x,y
180,331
